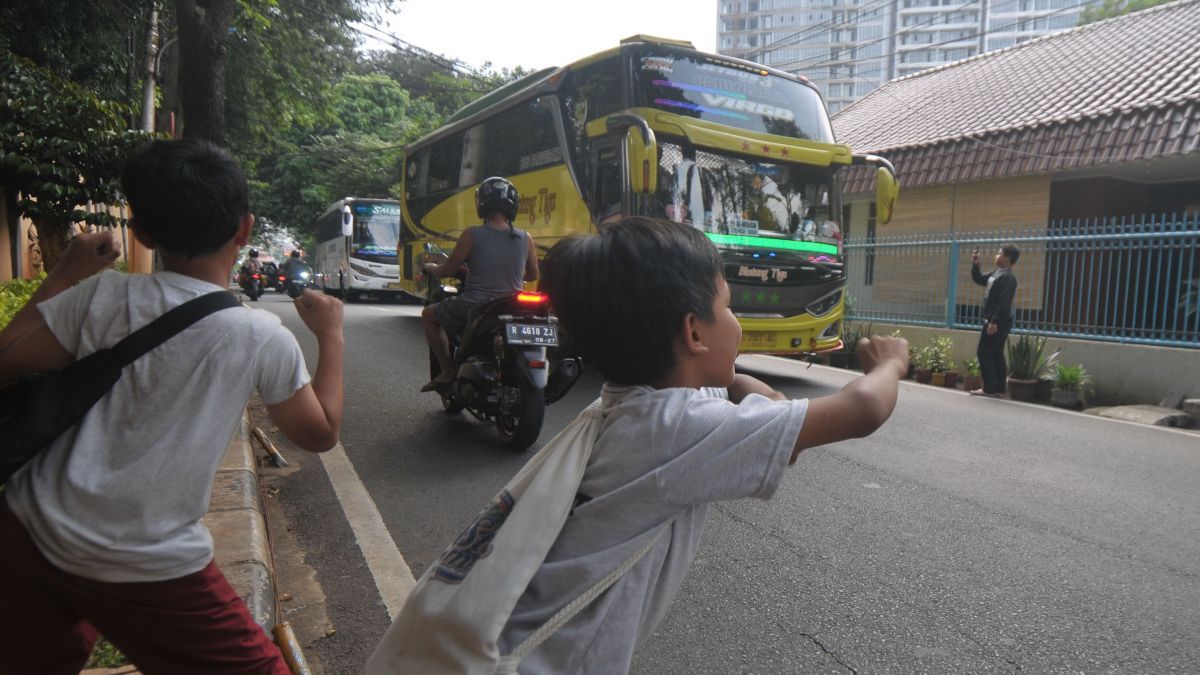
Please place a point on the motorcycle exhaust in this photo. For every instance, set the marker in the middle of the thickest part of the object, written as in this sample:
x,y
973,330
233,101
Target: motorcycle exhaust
x,y
563,376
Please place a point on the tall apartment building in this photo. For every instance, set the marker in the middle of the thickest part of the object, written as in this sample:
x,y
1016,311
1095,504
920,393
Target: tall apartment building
x,y
850,47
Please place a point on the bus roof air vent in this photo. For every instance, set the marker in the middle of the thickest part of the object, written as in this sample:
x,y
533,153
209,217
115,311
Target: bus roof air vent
x,y
658,41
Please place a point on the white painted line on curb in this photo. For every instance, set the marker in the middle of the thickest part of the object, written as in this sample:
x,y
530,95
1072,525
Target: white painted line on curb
x,y
392,575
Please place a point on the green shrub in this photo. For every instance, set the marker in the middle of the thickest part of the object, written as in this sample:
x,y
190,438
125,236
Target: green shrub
x,y
1074,378
14,295
105,655
922,357
941,354
972,367
1027,358
854,333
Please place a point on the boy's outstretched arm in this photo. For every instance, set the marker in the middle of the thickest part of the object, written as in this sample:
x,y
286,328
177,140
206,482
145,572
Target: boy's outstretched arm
x,y
862,406
312,418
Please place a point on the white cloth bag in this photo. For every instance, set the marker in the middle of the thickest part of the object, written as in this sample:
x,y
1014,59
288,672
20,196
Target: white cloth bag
x,y
451,621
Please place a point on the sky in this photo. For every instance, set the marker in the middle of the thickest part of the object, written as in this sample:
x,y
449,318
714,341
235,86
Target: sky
x,y
540,33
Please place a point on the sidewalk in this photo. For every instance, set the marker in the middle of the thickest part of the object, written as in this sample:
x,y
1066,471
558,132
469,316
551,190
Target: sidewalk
x,y
238,524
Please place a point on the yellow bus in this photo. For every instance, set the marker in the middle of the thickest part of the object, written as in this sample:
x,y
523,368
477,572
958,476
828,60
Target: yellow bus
x,y
654,127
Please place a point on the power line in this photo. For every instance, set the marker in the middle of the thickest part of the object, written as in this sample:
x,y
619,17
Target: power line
x,y
810,32
799,62
976,34
401,45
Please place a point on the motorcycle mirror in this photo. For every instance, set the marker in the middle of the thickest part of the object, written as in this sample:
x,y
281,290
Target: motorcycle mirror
x,y
347,221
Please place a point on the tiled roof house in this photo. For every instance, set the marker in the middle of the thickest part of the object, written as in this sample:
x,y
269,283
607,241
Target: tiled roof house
x,y
1100,120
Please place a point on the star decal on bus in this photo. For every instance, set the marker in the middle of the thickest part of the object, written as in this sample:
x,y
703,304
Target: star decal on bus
x,y
761,298
745,145
774,298
783,151
766,149
746,296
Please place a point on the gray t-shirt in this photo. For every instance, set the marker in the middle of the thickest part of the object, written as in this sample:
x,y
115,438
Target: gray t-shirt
x,y
497,262
119,497
662,454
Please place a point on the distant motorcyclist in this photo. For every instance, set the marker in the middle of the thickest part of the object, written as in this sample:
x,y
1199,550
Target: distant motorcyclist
x,y
292,264
500,258
250,266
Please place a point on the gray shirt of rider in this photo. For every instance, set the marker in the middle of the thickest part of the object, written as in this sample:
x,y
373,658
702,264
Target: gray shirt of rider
x,y
496,262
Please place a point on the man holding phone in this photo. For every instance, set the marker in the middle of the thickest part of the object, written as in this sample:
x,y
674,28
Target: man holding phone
x,y
998,317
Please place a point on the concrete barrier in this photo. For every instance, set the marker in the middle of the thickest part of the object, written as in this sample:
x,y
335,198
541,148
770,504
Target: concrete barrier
x,y
237,521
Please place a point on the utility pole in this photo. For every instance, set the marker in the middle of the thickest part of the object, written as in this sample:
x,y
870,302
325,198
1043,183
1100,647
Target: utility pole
x,y
139,258
151,61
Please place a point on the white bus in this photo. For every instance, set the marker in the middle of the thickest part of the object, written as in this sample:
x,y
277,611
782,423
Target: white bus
x,y
356,248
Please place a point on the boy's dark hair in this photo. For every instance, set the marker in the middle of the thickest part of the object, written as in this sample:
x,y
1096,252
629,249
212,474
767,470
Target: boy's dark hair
x,y
188,196
1011,252
621,295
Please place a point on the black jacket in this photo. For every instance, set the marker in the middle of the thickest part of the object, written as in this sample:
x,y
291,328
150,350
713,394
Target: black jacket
x,y
998,298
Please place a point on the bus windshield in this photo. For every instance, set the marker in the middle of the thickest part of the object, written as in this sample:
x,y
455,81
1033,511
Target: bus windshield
x,y
720,92
376,231
741,202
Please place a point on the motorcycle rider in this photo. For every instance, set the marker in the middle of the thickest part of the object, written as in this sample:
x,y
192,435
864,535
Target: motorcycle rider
x,y
499,258
250,266
292,264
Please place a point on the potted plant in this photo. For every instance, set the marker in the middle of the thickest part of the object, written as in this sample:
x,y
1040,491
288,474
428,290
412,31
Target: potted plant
x,y
921,359
852,346
974,375
1045,385
1026,363
1071,384
943,348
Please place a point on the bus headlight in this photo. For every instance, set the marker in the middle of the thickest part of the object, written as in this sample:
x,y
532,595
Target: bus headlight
x,y
825,303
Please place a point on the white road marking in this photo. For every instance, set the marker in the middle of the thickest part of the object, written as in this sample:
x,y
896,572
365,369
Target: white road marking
x,y
392,576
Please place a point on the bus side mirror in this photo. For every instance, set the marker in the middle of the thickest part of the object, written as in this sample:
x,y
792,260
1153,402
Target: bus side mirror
x,y
887,188
347,222
887,185
642,151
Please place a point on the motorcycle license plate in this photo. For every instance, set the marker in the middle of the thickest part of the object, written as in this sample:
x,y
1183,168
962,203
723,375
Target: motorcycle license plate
x,y
528,334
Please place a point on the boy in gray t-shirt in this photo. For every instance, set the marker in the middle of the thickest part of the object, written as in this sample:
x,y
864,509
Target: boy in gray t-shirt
x,y
647,304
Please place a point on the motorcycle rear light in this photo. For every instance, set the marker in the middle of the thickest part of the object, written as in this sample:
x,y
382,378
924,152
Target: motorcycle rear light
x,y
537,364
256,276
531,298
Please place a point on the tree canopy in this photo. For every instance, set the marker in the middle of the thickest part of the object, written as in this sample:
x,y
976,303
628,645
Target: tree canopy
x,y
1108,9
311,116
61,146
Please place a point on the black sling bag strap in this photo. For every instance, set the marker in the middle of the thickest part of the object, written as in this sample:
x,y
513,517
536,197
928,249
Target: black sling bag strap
x,y
37,408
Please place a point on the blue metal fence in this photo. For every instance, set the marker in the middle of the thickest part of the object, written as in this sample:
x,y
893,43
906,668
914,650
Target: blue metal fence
x,y
1134,280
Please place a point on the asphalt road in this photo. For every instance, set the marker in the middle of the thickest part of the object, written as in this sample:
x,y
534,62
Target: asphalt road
x,y
968,535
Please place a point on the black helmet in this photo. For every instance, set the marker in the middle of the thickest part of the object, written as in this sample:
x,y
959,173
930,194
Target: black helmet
x,y
496,194
295,253
253,253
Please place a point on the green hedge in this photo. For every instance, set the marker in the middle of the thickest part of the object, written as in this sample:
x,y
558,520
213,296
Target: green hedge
x,y
14,295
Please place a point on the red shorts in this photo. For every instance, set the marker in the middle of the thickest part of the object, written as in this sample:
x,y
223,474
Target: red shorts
x,y
194,624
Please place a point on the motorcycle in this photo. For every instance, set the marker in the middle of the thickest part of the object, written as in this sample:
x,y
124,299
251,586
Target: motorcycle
x,y
252,284
503,370
301,278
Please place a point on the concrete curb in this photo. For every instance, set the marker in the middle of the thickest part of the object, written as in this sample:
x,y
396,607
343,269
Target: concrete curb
x,y
237,520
